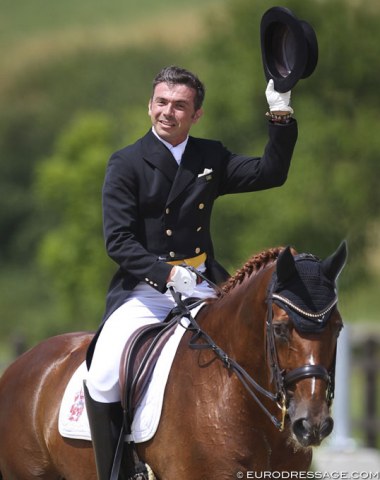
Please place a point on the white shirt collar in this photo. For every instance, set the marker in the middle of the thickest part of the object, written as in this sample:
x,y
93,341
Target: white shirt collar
x,y
176,151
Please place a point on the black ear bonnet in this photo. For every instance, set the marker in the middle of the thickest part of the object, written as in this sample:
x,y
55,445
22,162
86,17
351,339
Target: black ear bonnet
x,y
305,287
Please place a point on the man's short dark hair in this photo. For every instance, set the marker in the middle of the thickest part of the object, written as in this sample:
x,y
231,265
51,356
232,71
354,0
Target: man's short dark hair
x,y
179,76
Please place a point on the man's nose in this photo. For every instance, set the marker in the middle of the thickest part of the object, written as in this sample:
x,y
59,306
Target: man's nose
x,y
168,110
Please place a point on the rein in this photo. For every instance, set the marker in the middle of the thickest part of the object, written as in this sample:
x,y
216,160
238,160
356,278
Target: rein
x,y
281,381
248,382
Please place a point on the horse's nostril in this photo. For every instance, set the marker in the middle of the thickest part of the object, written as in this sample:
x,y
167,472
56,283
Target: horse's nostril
x,y
309,434
301,428
326,428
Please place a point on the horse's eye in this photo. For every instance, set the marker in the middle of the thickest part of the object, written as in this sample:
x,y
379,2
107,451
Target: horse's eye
x,y
339,329
281,331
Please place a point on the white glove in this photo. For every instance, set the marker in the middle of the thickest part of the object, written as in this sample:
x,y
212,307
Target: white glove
x,y
278,102
182,280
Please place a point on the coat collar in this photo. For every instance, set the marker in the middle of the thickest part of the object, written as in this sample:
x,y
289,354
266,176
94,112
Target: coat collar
x,y
187,171
155,153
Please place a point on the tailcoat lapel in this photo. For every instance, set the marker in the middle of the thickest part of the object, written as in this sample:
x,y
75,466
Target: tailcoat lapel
x,y
155,153
187,171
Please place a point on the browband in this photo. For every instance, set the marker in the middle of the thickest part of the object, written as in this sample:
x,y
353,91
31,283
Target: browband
x,y
302,312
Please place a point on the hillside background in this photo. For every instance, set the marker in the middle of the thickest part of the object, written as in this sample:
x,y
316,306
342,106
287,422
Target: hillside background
x,y
75,81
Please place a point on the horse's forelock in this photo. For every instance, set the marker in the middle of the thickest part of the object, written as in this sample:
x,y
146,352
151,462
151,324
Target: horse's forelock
x,y
252,267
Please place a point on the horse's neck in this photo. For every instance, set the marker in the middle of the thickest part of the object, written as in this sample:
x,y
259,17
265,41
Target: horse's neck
x,y
236,323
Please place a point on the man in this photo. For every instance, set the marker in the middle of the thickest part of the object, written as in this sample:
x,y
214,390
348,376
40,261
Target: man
x,y
157,201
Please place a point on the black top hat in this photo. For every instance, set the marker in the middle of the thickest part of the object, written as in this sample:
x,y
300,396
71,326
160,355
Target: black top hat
x,y
289,48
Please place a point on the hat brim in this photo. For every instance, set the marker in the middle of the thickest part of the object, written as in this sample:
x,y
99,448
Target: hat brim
x,y
289,48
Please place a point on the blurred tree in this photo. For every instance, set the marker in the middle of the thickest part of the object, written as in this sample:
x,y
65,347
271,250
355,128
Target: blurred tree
x,y
69,187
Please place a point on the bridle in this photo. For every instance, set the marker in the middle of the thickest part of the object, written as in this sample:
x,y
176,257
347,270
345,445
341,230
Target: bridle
x,y
281,380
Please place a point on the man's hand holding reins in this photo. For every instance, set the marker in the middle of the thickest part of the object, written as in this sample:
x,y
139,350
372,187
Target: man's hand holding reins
x,y
182,280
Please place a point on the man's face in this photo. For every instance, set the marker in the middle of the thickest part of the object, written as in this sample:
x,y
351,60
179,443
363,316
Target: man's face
x,y
172,112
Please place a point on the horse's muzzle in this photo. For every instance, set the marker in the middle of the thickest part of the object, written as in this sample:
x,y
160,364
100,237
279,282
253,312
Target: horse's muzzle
x,y
310,434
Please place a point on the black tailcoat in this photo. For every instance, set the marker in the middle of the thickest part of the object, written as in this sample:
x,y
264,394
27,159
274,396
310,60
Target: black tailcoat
x,y
156,211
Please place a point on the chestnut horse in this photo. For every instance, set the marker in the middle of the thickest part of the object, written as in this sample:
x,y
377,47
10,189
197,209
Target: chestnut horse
x,y
250,391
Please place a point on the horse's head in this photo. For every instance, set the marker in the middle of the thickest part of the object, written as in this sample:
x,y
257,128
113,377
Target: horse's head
x,y
302,330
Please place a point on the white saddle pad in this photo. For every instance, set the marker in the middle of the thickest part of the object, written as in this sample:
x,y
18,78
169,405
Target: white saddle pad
x,y
73,421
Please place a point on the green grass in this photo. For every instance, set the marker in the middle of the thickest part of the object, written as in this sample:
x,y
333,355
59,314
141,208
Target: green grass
x,y
24,19
24,23
35,33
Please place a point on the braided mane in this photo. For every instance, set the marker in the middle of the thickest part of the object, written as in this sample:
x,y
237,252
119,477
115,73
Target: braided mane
x,y
253,266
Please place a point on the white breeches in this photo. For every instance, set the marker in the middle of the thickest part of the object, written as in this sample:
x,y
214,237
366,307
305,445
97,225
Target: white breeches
x,y
144,306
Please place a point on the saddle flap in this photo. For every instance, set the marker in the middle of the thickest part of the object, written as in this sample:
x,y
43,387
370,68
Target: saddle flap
x,y
138,360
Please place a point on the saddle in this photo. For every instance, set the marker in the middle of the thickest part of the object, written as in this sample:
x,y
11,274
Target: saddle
x,y
137,363
141,353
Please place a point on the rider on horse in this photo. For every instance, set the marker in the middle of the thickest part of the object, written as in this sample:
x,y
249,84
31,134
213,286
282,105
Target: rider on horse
x,y
157,200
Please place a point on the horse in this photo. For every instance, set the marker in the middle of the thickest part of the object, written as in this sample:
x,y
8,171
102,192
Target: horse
x,y
250,389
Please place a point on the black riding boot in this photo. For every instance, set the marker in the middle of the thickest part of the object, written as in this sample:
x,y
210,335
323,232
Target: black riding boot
x,y
105,423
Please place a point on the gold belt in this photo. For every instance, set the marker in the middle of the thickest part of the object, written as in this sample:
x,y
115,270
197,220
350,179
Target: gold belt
x,y
193,261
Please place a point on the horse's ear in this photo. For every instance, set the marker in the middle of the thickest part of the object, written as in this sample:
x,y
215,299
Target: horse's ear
x,y
286,266
333,265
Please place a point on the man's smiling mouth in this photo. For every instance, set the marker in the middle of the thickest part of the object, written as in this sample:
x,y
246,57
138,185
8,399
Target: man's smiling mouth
x,y
166,123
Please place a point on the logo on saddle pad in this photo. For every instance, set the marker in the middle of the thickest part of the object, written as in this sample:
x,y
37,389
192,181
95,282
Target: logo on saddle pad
x,y
76,409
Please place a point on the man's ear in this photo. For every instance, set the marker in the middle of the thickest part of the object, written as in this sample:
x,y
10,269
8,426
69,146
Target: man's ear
x,y
150,107
197,115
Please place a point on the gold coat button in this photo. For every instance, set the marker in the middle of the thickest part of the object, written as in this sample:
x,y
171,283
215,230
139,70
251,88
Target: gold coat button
x,y
167,211
172,254
199,229
169,233
197,250
201,206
